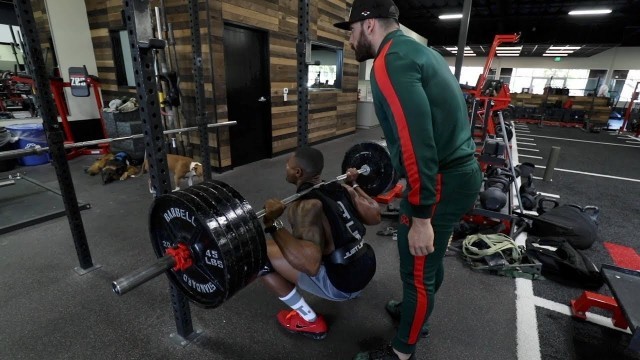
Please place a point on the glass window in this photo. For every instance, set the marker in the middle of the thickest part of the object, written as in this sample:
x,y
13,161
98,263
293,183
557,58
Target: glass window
x,y
633,77
536,79
469,75
325,71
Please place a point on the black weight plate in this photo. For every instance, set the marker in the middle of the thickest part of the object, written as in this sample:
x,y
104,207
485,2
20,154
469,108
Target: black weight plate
x,y
255,247
382,176
238,243
177,218
225,237
219,200
211,261
259,243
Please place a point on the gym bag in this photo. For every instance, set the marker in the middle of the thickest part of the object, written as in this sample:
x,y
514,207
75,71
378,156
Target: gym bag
x,y
565,264
578,225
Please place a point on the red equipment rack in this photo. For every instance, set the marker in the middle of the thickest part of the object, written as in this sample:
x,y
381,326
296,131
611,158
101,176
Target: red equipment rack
x,y
627,114
57,86
487,98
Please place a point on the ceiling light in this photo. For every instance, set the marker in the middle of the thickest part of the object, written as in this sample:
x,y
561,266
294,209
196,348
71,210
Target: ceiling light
x,y
450,16
555,54
509,48
508,54
561,51
590,12
564,47
509,51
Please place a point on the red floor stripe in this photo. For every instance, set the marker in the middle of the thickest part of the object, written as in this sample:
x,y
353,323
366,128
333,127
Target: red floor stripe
x,y
623,256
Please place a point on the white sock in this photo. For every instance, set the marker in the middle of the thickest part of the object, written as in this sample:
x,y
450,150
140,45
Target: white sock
x,y
297,303
402,356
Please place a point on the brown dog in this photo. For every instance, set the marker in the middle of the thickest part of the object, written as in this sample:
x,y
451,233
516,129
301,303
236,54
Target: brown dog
x,y
99,164
180,166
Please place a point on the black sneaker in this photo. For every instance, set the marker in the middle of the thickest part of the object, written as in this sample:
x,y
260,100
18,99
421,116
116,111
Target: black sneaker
x,y
394,309
385,353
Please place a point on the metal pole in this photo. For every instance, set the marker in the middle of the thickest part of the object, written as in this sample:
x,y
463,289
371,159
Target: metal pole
x,y
462,36
55,137
11,154
551,163
510,160
141,39
304,57
198,77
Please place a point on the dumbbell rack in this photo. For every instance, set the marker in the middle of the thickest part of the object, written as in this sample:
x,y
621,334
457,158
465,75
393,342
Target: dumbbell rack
x,y
505,216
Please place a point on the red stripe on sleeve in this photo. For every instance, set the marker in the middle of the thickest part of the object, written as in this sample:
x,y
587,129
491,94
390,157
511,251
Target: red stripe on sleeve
x,y
438,194
408,155
421,298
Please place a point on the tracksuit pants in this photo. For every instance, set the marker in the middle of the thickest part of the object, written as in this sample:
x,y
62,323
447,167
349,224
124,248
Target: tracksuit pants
x,y
456,192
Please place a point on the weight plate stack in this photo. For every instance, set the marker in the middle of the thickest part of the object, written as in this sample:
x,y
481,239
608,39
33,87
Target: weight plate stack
x,y
223,234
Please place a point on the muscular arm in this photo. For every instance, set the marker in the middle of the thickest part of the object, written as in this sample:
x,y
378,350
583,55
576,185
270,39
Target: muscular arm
x,y
303,248
367,208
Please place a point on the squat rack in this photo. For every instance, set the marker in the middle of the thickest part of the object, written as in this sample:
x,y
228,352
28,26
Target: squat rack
x,y
139,26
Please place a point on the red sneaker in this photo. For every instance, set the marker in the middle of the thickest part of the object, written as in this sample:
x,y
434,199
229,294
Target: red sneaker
x,y
294,323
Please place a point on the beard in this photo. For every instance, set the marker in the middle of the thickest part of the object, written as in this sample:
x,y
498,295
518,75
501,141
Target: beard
x,y
363,49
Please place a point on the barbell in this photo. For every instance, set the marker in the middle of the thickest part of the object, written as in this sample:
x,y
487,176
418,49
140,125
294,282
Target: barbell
x,y
209,240
11,154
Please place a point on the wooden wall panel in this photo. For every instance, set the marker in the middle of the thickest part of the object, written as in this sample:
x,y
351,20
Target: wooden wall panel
x,y
331,112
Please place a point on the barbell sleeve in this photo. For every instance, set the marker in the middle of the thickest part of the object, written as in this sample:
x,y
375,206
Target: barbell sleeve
x,y
364,170
136,278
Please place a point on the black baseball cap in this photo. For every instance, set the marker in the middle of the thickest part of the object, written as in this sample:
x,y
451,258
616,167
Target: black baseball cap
x,y
370,9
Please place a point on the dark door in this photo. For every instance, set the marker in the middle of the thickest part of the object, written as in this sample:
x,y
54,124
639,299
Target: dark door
x,y
247,71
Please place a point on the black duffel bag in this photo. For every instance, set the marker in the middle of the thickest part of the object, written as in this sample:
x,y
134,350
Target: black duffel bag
x,y
578,225
564,264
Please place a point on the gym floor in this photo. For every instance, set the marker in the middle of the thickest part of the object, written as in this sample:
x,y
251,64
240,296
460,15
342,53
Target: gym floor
x,y
47,311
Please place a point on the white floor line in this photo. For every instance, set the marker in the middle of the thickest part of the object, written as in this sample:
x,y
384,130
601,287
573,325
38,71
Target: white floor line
x,y
632,138
525,149
530,144
528,341
524,131
527,338
591,174
526,139
632,142
585,141
537,178
546,194
565,309
531,157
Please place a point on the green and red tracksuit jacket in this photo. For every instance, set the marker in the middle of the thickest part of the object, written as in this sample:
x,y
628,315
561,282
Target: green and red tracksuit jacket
x,y
423,115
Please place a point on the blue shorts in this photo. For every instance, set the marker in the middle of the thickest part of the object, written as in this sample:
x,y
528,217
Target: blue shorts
x,y
321,286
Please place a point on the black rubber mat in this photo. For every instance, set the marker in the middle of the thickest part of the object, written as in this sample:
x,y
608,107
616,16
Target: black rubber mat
x,y
25,202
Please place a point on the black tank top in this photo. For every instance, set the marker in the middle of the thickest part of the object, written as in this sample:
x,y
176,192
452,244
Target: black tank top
x,y
347,233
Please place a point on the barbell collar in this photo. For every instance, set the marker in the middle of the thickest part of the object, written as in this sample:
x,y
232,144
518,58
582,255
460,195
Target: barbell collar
x,y
142,275
364,170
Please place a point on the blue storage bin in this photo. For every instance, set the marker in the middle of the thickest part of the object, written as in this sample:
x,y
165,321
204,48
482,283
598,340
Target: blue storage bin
x,y
29,136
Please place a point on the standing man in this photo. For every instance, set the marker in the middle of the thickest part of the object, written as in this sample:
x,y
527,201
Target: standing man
x,y
422,112
324,253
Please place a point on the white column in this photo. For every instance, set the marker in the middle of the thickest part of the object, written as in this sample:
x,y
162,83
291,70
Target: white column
x,y
72,42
